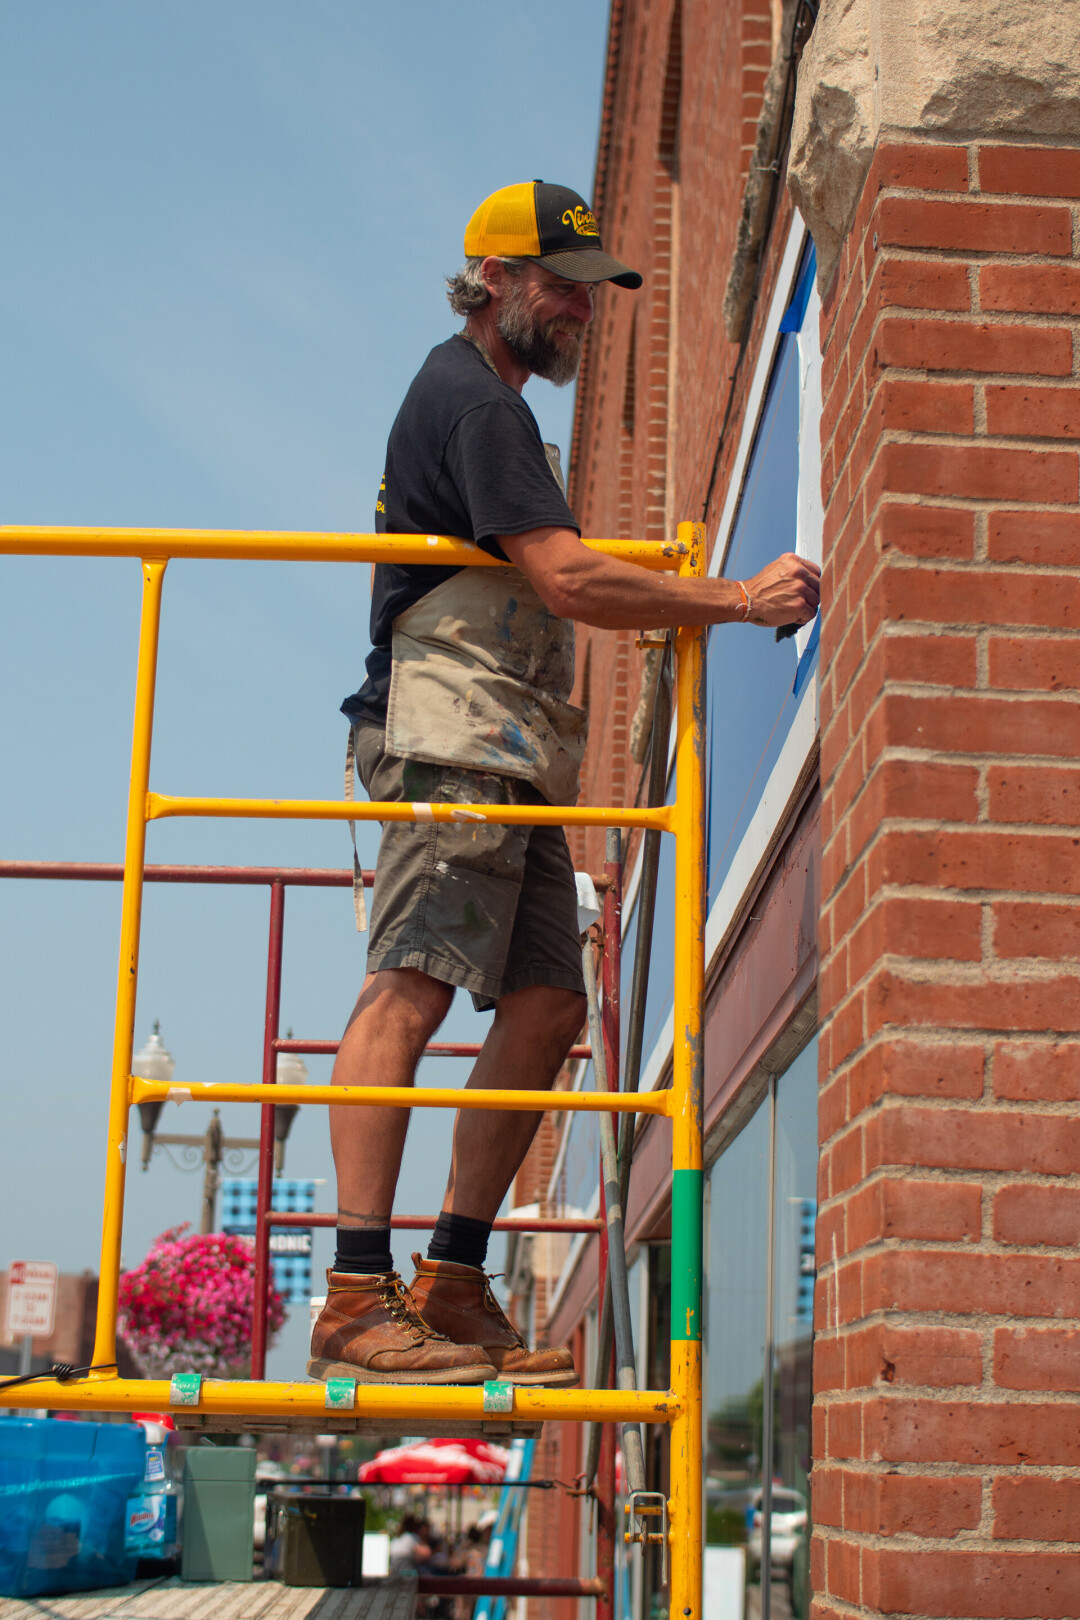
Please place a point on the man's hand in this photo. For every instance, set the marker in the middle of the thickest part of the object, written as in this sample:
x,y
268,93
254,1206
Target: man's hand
x,y
787,591
575,582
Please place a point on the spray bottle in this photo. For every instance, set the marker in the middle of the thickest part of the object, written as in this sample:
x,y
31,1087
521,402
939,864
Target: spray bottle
x,y
151,1520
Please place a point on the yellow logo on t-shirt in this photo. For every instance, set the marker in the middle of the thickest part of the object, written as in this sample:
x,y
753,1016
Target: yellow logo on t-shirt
x,y
583,220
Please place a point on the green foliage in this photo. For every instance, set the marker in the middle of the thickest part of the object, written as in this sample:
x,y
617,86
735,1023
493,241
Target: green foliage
x,y
379,1518
725,1527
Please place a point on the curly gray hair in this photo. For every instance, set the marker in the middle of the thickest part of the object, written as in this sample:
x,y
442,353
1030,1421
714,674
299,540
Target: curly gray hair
x,y
466,290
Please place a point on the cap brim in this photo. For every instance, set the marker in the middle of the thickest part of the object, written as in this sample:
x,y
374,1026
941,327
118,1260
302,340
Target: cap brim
x,y
589,264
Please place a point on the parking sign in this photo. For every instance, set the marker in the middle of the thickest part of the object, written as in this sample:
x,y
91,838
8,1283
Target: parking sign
x,y
31,1298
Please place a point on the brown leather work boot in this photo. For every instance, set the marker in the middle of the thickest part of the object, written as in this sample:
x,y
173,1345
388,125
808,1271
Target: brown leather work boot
x,y
457,1300
369,1329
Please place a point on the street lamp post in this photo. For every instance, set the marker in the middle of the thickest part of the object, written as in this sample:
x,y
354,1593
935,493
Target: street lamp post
x,y
155,1062
291,1071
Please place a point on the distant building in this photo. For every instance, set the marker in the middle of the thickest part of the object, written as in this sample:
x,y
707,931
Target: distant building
x,y
72,1338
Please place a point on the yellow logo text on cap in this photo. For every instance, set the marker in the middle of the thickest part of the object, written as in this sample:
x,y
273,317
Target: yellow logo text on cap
x,y
583,221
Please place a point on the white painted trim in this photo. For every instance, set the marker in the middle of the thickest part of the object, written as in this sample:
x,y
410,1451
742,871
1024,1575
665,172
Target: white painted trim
x,y
810,525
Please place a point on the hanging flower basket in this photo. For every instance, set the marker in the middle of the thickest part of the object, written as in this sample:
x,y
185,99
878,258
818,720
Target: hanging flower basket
x,y
188,1306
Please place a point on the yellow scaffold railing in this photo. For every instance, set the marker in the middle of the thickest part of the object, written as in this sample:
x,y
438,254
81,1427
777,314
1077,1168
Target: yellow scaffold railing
x,y
680,1406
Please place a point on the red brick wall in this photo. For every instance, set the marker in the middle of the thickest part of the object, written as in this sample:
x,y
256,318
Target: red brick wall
x,y
947,1415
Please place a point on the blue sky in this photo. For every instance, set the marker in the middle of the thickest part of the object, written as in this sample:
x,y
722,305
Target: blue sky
x,y
225,231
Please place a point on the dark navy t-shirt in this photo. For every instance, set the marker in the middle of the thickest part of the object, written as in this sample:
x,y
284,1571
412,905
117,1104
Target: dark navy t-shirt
x,y
465,458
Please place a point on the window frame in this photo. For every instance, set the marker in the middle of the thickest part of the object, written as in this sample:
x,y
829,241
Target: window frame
x,y
788,776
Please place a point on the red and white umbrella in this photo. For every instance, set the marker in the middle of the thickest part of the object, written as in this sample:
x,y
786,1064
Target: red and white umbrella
x,y
437,1462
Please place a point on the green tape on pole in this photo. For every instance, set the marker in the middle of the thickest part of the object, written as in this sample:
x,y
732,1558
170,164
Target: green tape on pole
x,y
498,1396
340,1394
185,1389
687,1192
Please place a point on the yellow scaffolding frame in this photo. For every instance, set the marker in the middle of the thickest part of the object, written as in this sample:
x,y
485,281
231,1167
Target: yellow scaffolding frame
x,y
680,1406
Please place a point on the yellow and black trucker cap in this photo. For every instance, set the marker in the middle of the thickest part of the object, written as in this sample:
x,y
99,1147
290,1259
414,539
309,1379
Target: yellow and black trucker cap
x,y
551,225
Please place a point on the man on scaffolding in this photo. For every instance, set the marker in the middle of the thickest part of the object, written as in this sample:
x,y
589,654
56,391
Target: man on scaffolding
x,y
467,701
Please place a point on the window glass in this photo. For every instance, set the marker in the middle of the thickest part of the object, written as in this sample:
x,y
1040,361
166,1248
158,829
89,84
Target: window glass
x,y
580,1175
736,1470
749,673
656,1601
661,989
735,1333
661,996
626,969
795,1215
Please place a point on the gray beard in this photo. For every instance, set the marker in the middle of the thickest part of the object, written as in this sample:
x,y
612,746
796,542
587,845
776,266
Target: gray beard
x,y
546,355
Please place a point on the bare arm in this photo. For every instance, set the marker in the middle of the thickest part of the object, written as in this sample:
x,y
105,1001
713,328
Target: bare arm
x,y
578,583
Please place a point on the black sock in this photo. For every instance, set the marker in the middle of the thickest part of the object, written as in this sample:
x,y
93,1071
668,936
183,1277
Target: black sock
x,y
461,1239
363,1249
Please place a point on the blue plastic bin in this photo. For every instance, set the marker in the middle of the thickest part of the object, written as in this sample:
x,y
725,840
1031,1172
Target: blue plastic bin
x,y
63,1491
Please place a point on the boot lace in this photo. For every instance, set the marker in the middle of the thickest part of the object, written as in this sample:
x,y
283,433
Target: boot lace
x,y
492,1304
400,1308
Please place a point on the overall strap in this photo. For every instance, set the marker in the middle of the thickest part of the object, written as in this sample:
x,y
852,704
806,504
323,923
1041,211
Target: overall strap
x,y
359,904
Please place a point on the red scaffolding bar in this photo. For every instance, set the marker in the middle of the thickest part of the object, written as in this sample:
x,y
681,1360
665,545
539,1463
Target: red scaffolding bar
x,y
277,879
569,1586
433,1049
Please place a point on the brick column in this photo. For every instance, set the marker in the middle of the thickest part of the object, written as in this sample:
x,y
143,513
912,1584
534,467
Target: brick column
x,y
946,1478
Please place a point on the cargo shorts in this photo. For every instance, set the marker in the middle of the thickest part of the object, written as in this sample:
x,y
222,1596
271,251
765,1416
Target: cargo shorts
x,y
489,908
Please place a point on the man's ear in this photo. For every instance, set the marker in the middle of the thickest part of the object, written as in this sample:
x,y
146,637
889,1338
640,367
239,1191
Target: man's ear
x,y
493,275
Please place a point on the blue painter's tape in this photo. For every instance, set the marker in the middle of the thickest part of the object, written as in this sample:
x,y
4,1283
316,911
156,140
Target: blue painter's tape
x,y
807,659
796,311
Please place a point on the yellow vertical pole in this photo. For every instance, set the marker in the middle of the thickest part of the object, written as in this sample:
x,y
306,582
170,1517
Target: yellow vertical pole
x,y
128,974
685,1504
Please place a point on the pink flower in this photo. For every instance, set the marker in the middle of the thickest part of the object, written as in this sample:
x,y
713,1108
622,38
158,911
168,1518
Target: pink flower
x,y
188,1306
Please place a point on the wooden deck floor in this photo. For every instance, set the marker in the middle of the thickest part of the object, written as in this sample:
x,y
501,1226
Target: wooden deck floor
x,y
174,1599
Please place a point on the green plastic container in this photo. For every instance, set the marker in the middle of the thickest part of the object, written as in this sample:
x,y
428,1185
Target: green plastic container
x,y
314,1539
219,1513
